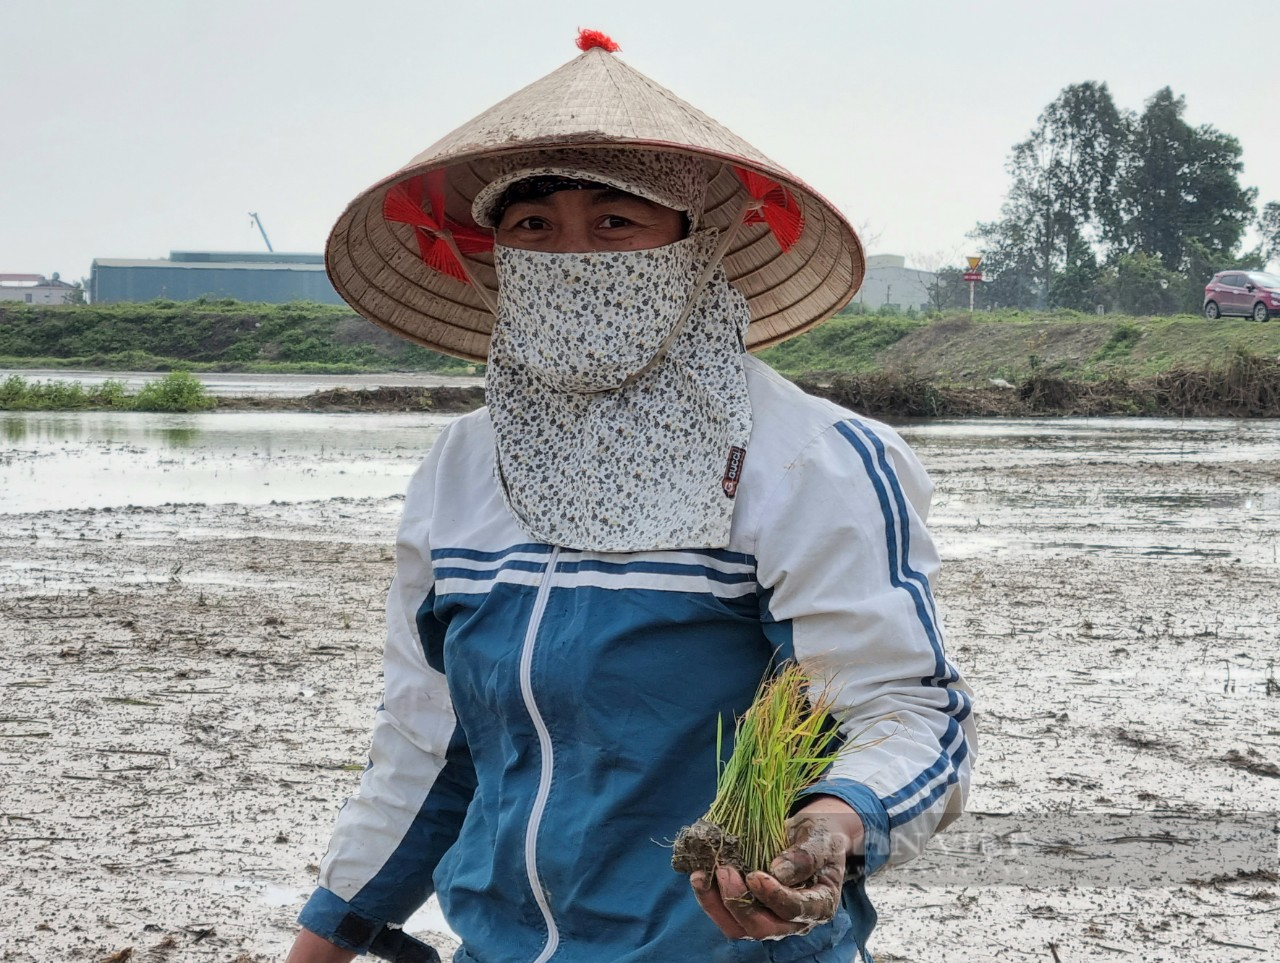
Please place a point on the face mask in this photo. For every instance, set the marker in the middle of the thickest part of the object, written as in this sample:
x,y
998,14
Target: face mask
x,y
585,323
601,444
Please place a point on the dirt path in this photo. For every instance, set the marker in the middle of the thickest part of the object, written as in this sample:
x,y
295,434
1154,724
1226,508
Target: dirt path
x,y
187,690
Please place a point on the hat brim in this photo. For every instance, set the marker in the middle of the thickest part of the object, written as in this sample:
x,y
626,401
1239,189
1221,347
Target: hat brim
x,y
377,265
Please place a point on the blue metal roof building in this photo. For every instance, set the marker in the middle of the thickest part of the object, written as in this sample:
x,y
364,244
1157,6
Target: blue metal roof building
x,y
187,275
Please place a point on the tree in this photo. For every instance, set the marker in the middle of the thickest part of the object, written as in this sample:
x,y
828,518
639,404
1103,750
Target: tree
x,y
1269,225
1008,255
1180,184
1063,188
1076,285
1074,154
943,288
947,290
1140,284
1091,185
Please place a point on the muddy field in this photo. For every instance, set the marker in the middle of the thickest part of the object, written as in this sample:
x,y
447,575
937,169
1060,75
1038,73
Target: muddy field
x,y
187,689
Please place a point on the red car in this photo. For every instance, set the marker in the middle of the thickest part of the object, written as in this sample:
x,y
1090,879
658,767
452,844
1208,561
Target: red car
x,y
1249,294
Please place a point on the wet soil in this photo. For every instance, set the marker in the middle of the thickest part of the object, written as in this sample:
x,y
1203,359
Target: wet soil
x,y
448,399
187,691
704,846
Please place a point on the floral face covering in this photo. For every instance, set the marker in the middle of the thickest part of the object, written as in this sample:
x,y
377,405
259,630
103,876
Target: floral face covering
x,y
590,456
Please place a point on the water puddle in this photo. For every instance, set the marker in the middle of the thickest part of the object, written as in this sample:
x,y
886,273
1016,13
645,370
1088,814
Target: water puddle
x,y
1042,484
1026,442
116,459
245,385
962,546
1058,478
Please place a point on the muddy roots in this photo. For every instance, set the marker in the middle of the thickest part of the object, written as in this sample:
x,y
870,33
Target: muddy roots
x,y
704,846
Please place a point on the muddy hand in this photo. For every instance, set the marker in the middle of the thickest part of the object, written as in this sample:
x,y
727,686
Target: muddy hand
x,y
804,882
803,887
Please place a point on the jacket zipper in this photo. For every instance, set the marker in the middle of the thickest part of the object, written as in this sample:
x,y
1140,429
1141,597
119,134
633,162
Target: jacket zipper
x,y
544,745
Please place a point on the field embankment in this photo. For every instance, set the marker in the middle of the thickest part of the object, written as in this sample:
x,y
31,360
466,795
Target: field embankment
x,y
1245,387
207,335
1058,363
994,363
956,349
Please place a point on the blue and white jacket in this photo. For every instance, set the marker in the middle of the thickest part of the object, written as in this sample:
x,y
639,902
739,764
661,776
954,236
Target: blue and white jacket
x,y
549,716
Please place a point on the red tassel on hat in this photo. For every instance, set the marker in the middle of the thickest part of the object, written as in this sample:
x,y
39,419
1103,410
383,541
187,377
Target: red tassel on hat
x,y
594,38
403,204
780,210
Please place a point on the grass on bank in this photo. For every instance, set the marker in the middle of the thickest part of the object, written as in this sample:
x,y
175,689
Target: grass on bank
x,y
1246,386
953,348
177,391
143,361
878,362
957,349
208,334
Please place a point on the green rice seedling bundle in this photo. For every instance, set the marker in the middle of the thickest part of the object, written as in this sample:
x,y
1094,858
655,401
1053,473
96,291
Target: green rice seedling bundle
x,y
782,746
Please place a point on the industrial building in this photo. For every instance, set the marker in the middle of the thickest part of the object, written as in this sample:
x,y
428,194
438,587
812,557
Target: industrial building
x,y
890,282
187,275
35,289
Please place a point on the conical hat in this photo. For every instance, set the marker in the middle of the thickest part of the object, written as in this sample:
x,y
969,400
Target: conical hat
x,y
393,253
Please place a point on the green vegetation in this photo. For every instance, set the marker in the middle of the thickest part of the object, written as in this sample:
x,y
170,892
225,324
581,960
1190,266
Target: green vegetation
x,y
1132,210
781,747
176,391
1120,345
956,349
207,335
848,342
950,348
881,363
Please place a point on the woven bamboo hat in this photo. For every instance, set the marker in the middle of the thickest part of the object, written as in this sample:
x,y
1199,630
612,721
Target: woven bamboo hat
x,y
407,255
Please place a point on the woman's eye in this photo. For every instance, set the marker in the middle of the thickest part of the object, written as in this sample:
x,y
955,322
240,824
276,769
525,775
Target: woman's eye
x,y
614,221
533,223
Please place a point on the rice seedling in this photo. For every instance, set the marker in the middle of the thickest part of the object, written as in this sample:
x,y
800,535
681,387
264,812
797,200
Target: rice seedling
x,y
783,744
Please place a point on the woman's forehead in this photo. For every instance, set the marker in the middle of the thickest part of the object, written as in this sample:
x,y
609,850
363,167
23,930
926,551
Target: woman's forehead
x,y
547,192
672,181
597,196
542,186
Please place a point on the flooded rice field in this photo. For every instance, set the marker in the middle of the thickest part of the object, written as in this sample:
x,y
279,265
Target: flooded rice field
x,y
103,459
239,384
190,621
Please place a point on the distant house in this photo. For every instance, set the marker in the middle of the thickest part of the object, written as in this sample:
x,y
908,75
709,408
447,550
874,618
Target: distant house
x,y
890,282
187,275
34,289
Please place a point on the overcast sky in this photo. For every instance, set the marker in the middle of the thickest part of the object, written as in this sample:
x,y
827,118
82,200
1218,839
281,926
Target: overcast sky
x,y
136,127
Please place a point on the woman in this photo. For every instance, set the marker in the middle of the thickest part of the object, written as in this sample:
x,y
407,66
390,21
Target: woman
x,y
605,560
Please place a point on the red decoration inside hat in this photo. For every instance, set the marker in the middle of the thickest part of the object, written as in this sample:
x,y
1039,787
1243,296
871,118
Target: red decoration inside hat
x,y
403,204
778,209
594,38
